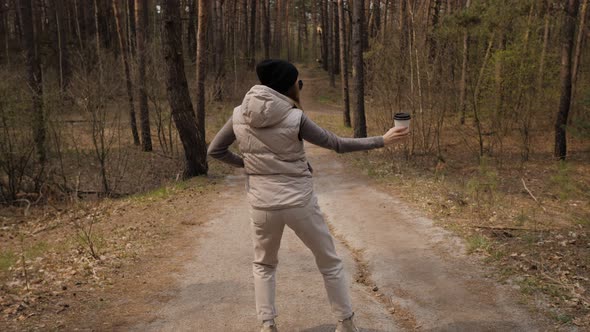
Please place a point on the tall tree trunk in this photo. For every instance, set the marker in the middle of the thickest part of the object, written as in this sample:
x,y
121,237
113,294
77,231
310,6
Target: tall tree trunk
x,y
463,82
266,27
331,43
219,51
314,35
277,42
287,30
34,77
252,38
178,94
375,25
567,45
300,19
201,74
131,30
97,48
403,47
385,22
3,35
128,81
64,58
191,34
578,51
432,32
335,37
144,115
103,23
360,128
325,34
343,64
245,28
541,72
366,11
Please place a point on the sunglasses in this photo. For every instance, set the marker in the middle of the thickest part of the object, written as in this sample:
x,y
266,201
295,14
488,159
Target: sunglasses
x,y
300,84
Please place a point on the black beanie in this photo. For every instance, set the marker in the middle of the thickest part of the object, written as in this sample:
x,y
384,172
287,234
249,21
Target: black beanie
x,y
279,75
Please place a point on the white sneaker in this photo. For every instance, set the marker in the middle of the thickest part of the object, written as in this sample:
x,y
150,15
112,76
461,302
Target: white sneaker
x,y
269,327
346,325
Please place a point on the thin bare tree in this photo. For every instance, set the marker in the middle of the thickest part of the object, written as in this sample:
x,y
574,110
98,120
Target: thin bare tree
x,y
201,74
34,77
191,34
178,92
578,51
141,25
360,127
128,81
252,37
266,27
567,45
343,64
219,50
463,82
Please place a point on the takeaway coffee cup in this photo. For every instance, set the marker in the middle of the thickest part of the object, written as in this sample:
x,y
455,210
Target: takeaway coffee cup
x,y
402,119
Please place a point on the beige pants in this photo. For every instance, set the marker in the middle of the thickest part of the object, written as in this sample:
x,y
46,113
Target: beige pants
x,y
309,225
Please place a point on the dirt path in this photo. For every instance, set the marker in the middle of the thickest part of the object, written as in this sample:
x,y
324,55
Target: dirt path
x,y
419,267
216,287
405,273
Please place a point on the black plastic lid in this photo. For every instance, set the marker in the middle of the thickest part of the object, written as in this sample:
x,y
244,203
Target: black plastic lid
x,y
402,116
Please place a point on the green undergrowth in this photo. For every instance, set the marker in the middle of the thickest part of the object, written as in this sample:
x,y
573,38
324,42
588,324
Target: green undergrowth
x,y
7,259
530,241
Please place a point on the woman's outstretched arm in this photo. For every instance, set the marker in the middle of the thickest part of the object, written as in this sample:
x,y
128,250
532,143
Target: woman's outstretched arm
x,y
319,136
219,147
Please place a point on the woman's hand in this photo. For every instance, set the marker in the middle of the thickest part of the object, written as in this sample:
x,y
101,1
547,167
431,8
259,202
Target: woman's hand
x,y
395,134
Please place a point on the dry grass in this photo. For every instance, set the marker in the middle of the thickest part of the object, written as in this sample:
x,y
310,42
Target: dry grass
x,y
542,245
75,253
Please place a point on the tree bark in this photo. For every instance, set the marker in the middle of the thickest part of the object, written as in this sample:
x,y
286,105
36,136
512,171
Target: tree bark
x,y
3,35
219,51
277,32
578,51
128,80
463,82
336,37
266,27
541,72
287,31
131,30
314,33
191,34
385,21
343,64
324,34
144,115
403,46
252,38
34,77
64,58
360,128
567,45
432,32
201,74
375,25
300,20
331,43
178,93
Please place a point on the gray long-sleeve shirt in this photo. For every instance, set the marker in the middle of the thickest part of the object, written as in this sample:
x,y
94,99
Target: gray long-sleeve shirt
x,y
308,130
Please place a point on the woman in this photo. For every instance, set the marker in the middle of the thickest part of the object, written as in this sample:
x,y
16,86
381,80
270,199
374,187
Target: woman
x,y
270,129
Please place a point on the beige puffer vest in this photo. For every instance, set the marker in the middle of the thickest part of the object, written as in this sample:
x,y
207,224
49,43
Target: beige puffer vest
x,y
267,129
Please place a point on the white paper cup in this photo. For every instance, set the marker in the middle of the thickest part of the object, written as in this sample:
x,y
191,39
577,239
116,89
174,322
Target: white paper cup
x,y
402,123
402,120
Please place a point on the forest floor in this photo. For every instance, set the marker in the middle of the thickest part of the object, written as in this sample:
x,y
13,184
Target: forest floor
x,y
178,258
